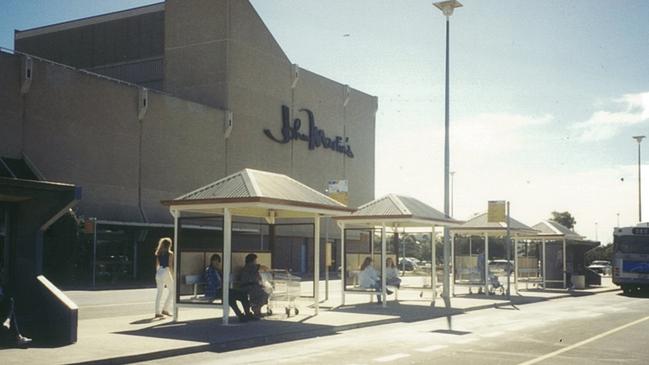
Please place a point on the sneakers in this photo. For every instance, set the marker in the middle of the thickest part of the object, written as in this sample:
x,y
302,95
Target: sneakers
x,y
158,315
166,313
388,291
22,340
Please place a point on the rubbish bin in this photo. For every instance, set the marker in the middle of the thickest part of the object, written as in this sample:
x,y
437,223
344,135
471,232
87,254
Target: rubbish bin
x,y
579,281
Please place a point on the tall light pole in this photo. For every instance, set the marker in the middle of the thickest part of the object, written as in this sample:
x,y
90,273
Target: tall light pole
x,y
639,140
447,8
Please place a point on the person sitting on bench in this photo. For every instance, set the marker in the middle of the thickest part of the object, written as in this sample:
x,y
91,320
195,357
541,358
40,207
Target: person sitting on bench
x,y
8,321
392,273
368,278
214,290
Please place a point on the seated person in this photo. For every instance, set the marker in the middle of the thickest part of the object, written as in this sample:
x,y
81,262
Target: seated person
x,y
8,321
251,283
214,289
368,278
392,273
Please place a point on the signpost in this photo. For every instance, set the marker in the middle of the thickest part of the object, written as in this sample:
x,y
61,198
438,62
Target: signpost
x,y
498,212
338,190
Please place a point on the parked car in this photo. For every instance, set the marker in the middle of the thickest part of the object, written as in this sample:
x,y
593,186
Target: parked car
x,y
601,267
501,266
407,264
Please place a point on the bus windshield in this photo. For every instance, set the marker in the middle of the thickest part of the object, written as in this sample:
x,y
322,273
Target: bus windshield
x,y
632,244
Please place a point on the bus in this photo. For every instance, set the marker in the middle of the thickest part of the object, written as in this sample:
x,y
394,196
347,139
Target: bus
x,y
631,258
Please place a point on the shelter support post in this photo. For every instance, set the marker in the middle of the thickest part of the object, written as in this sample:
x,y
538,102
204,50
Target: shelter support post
x,y
543,263
486,263
316,263
383,273
176,215
515,265
227,258
343,267
452,282
565,274
433,264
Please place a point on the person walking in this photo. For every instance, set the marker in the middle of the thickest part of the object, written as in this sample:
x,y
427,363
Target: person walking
x,y
164,276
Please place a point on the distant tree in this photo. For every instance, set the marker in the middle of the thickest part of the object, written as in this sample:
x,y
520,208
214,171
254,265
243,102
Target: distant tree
x,y
564,218
599,253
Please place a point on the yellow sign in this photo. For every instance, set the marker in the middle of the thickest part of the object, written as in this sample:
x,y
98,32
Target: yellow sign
x,y
497,211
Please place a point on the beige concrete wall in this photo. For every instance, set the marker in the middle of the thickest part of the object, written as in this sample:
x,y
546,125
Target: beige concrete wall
x,y
182,149
10,106
85,130
195,50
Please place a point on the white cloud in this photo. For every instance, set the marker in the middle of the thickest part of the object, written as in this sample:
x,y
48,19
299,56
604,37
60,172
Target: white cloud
x,y
630,109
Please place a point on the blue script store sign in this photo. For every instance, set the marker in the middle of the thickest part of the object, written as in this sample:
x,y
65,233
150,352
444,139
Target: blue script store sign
x,y
314,136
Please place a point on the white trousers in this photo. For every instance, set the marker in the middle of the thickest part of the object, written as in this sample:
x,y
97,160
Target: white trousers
x,y
164,278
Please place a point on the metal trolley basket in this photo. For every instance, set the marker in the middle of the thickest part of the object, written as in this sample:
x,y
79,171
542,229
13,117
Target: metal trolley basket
x,y
286,288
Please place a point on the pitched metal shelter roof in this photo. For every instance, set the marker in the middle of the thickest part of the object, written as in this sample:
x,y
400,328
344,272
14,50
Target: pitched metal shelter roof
x,y
552,228
254,193
480,223
398,210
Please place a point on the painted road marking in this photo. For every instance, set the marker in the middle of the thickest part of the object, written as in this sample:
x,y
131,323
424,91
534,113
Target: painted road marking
x,y
388,358
431,348
493,334
584,342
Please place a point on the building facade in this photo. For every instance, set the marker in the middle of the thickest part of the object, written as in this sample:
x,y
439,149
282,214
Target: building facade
x,y
145,104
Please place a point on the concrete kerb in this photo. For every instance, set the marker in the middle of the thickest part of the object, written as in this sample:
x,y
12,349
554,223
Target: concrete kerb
x,y
266,339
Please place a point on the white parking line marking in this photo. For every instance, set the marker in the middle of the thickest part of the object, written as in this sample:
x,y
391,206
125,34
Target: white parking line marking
x,y
493,334
432,348
584,342
391,357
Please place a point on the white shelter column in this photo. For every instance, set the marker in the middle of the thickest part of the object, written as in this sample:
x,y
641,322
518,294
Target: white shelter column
x,y
316,262
452,282
343,270
383,273
543,264
176,215
433,263
486,263
515,265
565,281
227,257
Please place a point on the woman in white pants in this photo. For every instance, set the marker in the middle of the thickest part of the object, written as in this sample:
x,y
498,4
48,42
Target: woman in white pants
x,y
164,258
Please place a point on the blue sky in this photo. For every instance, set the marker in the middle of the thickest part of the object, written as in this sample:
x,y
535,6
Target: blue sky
x,y
545,94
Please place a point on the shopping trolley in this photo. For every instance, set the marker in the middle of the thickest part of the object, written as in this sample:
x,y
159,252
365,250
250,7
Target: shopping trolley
x,y
286,288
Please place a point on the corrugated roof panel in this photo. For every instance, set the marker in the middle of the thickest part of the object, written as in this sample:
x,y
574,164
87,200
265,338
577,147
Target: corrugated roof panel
x,y
253,183
233,186
380,207
480,222
283,187
421,209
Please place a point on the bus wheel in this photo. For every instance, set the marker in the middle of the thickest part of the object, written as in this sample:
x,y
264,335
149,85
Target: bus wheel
x,y
626,289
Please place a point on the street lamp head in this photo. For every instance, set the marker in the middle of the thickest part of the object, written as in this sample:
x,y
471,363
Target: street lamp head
x,y
638,138
448,6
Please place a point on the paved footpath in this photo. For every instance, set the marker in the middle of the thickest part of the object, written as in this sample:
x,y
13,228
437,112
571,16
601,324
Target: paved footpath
x,y
116,326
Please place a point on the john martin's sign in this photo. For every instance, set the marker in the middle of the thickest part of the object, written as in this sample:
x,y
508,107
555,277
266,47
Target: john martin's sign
x,y
314,136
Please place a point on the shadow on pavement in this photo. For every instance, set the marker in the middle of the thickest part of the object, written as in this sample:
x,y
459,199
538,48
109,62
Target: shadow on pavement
x,y
405,312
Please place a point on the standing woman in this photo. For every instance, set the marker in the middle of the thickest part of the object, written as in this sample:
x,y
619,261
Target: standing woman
x,y
164,258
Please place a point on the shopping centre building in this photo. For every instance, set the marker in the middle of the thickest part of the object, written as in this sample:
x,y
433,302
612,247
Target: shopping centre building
x,y
143,105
